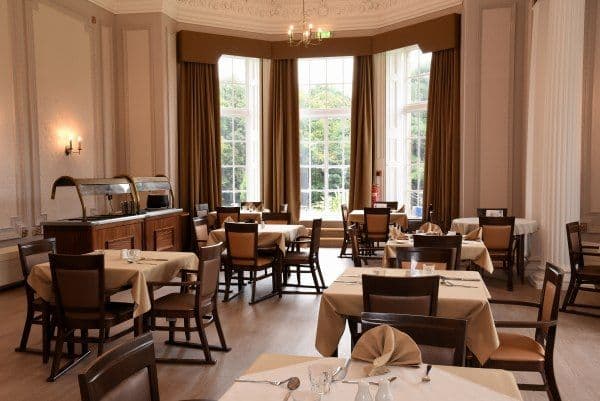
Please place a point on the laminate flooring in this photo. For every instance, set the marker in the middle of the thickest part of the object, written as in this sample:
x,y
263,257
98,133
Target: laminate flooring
x,y
284,325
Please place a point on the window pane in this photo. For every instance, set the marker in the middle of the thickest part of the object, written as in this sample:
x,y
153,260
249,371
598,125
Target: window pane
x,y
227,179
240,178
304,154
336,154
335,178
317,200
317,178
226,153
239,129
226,198
304,178
226,125
317,154
240,154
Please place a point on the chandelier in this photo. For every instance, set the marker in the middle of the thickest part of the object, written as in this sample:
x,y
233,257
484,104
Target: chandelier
x,y
307,35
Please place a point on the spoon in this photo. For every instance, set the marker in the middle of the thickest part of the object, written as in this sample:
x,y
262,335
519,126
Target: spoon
x,y
426,378
292,384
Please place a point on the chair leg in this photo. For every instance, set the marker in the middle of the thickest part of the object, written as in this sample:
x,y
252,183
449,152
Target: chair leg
x,y
569,293
26,330
186,324
344,247
58,348
575,292
172,330
227,284
240,282
552,390
71,345
298,274
509,267
101,335
203,339
253,279
314,276
84,341
219,328
323,286
48,331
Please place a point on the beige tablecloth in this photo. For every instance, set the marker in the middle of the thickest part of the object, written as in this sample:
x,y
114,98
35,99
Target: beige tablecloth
x,y
342,300
464,225
244,215
119,273
269,235
448,383
470,250
358,216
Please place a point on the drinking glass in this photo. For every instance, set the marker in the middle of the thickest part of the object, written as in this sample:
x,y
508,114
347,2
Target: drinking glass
x,y
428,268
135,255
320,378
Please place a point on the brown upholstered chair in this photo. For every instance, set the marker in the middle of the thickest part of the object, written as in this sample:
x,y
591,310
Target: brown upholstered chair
x,y
201,209
39,312
346,226
242,256
403,295
583,277
393,205
519,352
441,340
199,232
277,218
497,235
294,261
81,304
492,211
283,208
442,258
223,212
376,225
440,241
127,372
198,303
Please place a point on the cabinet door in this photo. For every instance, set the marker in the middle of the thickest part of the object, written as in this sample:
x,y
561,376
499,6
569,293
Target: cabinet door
x,y
163,233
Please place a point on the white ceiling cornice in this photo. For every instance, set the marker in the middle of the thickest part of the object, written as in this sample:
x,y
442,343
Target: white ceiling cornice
x,y
274,16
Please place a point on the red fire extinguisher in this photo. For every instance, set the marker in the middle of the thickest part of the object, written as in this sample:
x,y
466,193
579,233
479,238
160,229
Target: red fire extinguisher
x,y
375,189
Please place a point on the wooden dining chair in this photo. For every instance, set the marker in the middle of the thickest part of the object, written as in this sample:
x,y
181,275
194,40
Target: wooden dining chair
x,y
519,352
403,295
346,226
393,205
375,229
277,218
442,341
201,209
199,303
199,232
82,304
128,372
584,277
497,235
492,212
442,258
242,256
305,261
440,241
39,312
224,212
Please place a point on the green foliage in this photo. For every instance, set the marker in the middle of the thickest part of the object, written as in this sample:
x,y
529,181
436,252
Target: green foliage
x,y
233,95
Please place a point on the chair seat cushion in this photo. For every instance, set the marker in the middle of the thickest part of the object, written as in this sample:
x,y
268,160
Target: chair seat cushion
x,y
260,261
177,302
518,348
113,312
297,257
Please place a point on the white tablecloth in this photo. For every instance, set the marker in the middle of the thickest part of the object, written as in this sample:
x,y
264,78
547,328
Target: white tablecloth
x,y
465,225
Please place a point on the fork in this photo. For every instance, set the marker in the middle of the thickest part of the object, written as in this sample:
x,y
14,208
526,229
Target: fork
x,y
450,284
272,382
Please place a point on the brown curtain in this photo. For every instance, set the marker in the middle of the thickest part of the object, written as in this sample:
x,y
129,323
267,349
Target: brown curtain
x,y
199,135
442,154
281,146
362,133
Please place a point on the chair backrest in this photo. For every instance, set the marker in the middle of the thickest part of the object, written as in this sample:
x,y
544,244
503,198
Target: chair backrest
x,y
315,237
223,212
442,258
492,212
127,372
199,232
383,204
549,302
440,241
242,242
201,209
78,284
277,218
283,208
208,272
409,295
377,224
35,252
575,246
345,213
441,340
497,232
354,233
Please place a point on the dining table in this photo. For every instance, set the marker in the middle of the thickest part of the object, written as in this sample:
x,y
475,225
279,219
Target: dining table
x,y
399,218
122,274
462,295
449,383
269,235
471,250
255,215
524,227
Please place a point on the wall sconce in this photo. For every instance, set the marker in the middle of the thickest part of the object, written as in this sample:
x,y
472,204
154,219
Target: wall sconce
x,y
69,148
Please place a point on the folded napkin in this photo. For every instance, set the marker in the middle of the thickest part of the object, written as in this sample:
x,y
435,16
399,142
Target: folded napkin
x,y
228,220
474,235
385,346
431,228
402,209
397,234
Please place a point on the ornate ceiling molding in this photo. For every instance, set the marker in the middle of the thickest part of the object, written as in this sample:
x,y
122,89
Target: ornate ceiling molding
x,y
274,16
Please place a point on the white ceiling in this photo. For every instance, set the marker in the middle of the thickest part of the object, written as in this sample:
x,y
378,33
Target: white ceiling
x,y
274,16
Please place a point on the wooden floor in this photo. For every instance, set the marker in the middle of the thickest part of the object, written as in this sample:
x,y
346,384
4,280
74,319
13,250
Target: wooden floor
x,y
282,326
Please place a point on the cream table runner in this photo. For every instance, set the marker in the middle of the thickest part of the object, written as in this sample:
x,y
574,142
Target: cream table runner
x,y
268,235
470,250
358,216
447,383
344,298
119,273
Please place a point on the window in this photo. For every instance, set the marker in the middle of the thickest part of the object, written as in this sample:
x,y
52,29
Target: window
x,y
325,99
239,79
407,84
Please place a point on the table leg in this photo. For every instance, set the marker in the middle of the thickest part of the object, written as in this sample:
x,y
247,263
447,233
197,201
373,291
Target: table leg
x,y
139,326
521,257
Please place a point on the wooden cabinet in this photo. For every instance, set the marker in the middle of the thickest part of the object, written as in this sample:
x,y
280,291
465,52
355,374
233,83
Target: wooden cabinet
x,y
163,233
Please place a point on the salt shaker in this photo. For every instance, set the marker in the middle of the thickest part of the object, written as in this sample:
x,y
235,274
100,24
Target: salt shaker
x,y
384,393
363,393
